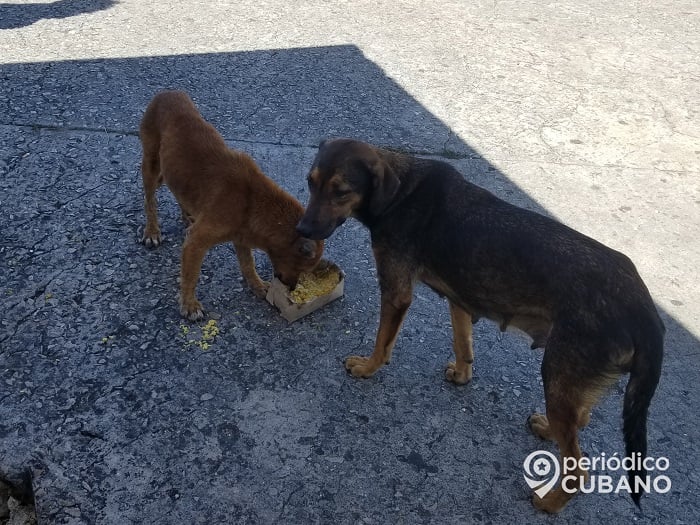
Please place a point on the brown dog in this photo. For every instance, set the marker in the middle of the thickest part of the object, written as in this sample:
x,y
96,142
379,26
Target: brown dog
x,y
581,301
222,194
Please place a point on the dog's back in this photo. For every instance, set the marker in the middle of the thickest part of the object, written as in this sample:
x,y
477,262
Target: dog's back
x,y
172,125
194,161
501,256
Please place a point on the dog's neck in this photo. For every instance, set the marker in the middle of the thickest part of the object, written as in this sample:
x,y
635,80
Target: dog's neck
x,y
270,204
402,165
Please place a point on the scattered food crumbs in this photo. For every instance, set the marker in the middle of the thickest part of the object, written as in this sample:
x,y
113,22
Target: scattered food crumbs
x,y
207,335
209,332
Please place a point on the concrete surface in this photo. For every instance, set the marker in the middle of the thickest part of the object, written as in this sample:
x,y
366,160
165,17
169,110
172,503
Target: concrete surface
x,y
587,111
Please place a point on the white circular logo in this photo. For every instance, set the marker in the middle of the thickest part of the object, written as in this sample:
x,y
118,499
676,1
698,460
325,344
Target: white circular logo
x,y
541,471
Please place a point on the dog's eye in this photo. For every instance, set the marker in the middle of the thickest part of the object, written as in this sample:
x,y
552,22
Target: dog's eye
x,y
341,194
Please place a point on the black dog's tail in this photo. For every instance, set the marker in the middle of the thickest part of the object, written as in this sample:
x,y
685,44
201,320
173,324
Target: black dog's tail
x,y
644,376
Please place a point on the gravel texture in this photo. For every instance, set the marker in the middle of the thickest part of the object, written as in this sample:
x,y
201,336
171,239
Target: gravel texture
x,y
120,413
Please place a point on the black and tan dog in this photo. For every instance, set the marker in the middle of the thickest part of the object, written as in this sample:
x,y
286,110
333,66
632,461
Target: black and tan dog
x,y
584,303
224,196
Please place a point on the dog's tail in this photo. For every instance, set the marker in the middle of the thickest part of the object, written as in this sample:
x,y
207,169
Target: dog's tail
x,y
644,376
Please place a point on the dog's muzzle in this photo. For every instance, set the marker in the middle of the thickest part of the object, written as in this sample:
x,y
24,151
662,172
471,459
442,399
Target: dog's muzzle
x,y
313,230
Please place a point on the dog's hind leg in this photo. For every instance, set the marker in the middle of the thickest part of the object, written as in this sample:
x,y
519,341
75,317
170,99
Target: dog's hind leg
x,y
460,371
564,430
539,425
571,389
247,265
152,179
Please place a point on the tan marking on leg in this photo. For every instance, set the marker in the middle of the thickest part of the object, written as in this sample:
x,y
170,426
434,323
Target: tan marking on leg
x,y
565,433
564,401
540,426
391,317
460,371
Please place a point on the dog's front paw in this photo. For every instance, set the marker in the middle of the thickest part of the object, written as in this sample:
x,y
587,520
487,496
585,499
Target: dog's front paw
x,y
191,309
260,290
151,238
359,366
458,377
539,425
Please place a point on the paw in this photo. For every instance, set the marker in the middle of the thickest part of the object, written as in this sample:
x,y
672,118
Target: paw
x,y
191,309
539,426
151,238
359,366
458,377
260,290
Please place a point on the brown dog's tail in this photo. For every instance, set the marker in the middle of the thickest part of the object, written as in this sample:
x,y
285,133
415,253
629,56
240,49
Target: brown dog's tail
x,y
644,376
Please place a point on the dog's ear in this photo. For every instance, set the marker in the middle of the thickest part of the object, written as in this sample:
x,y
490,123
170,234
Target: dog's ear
x,y
306,247
385,184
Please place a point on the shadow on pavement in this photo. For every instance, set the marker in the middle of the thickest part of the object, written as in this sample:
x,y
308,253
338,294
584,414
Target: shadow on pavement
x,y
13,16
123,417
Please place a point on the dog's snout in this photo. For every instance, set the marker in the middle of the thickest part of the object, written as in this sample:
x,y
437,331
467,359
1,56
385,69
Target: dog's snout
x,y
289,282
307,227
303,229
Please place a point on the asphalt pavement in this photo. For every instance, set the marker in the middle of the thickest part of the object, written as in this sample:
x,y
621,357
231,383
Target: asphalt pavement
x,y
117,410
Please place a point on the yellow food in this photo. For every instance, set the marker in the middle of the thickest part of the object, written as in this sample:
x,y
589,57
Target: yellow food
x,y
313,285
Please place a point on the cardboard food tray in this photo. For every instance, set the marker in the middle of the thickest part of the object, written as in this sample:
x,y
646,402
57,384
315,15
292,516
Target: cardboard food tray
x,y
278,296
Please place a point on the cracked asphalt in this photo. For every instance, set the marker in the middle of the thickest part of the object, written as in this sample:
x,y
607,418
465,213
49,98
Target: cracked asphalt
x,y
586,111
